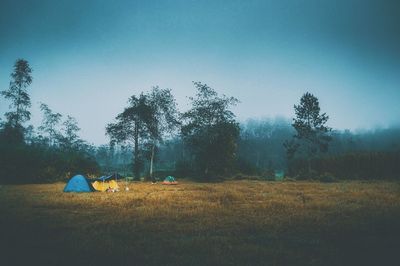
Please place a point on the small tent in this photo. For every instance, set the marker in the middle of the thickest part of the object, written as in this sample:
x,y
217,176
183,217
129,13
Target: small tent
x,y
170,180
78,183
103,186
104,183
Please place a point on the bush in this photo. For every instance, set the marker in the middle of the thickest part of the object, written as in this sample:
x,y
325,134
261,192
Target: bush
x,y
183,169
245,167
327,178
32,163
269,175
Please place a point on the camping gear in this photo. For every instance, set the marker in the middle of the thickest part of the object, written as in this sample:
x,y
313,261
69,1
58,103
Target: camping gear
x,y
114,176
170,180
78,183
105,185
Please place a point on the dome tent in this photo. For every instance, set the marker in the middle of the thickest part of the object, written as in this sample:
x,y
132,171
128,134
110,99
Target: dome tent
x,y
170,180
78,183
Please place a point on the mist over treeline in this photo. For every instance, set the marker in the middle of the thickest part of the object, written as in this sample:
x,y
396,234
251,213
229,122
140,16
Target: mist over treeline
x,y
261,152
151,138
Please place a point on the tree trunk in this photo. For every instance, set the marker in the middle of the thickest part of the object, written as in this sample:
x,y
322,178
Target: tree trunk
x,y
136,169
17,111
151,164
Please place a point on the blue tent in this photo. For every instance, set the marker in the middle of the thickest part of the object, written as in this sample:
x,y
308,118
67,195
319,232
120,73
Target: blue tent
x,y
78,184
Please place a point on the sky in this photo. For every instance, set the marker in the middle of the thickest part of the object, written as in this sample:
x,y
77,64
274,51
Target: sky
x,y
88,57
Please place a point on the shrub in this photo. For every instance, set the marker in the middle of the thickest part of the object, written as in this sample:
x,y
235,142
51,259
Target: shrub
x,y
327,178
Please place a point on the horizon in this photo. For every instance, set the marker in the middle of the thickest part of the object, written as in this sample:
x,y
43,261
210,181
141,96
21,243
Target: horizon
x,y
89,58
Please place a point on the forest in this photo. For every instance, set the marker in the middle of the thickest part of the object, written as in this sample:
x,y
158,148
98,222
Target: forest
x,y
151,138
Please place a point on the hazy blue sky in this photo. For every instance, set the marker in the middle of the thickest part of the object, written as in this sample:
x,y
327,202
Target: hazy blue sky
x,y
88,57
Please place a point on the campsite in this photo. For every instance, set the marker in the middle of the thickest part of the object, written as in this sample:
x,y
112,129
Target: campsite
x,y
206,132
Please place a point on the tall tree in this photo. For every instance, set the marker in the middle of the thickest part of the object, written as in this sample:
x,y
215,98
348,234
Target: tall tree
x,y
130,126
18,94
50,122
70,139
162,120
211,131
312,135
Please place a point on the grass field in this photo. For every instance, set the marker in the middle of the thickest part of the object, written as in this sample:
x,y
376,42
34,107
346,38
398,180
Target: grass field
x,y
228,223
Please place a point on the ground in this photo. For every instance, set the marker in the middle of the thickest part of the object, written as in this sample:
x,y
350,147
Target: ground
x,y
227,223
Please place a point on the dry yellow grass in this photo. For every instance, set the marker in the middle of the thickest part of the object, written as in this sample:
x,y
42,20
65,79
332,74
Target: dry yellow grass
x,y
232,223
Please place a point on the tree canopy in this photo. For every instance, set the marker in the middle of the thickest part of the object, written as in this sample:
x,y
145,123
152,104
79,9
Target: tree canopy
x,y
145,122
17,93
211,131
312,135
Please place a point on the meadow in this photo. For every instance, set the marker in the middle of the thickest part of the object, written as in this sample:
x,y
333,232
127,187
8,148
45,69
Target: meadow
x,y
227,223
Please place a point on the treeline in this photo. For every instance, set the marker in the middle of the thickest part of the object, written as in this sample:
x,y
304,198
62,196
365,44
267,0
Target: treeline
x,y
208,143
372,154
260,149
367,165
51,152
367,155
115,158
151,138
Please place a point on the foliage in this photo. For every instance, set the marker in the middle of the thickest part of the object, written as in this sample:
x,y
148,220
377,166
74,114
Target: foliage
x,y
17,93
37,163
312,136
310,127
354,165
11,134
211,132
260,145
210,144
50,122
115,158
130,128
70,139
26,157
162,120
145,122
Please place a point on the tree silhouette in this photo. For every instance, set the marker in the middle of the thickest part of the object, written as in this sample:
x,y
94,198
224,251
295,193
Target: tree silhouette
x,y
17,92
70,139
211,131
162,120
50,123
312,136
131,127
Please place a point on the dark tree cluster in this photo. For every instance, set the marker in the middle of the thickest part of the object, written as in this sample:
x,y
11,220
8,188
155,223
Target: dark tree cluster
x,y
357,166
51,153
212,144
144,124
350,156
208,131
211,132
